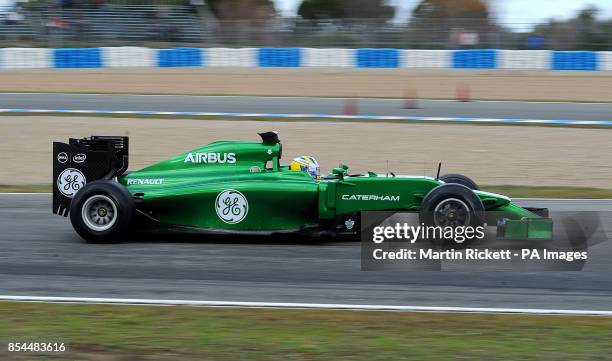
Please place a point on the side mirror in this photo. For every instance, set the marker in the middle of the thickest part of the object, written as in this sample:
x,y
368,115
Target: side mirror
x,y
339,171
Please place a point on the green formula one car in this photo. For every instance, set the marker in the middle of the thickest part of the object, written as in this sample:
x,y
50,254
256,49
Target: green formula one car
x,y
242,188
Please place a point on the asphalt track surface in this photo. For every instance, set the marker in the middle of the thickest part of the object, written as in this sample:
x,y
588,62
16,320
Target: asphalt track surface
x,y
40,255
305,105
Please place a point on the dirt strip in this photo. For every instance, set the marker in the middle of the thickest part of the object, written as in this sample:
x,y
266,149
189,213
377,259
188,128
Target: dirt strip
x,y
491,154
394,83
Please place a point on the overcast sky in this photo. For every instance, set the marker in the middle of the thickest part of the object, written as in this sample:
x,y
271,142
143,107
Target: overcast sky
x,y
506,11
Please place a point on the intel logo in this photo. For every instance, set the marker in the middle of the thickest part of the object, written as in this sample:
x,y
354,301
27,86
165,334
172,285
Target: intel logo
x,y
79,158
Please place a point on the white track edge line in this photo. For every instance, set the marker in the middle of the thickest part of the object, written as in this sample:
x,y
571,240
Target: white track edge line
x,y
363,117
289,305
476,100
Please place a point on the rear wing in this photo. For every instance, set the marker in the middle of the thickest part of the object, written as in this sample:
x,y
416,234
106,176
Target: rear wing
x,y
84,160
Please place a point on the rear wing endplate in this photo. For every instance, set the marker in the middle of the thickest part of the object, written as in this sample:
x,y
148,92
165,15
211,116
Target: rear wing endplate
x,y
84,160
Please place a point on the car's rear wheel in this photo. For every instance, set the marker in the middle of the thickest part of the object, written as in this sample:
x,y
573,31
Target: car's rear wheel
x,y
102,211
455,178
452,205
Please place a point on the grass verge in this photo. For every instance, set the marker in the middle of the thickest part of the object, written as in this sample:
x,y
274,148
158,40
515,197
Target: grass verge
x,y
300,119
509,190
25,188
109,332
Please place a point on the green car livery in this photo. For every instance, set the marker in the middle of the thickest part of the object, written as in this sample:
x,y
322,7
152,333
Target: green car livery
x,y
243,188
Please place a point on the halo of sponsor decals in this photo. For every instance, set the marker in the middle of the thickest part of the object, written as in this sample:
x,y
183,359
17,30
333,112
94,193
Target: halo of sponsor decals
x,y
231,206
70,181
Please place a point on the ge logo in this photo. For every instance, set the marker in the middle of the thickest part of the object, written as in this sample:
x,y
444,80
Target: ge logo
x,y
70,181
231,206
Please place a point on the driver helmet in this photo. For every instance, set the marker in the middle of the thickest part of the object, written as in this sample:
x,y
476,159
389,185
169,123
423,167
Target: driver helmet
x,y
308,164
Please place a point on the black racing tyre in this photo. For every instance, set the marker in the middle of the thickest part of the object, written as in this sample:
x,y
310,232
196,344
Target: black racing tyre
x,y
452,205
102,211
455,178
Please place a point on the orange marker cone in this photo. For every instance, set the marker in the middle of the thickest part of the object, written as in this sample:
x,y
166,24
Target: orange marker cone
x,y
463,92
410,99
350,106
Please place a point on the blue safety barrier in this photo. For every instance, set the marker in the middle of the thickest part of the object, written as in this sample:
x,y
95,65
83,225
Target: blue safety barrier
x,y
574,60
77,58
475,59
16,58
378,58
180,57
279,57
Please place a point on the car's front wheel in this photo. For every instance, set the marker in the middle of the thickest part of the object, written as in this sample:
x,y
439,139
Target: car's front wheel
x,y
455,206
455,178
102,211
